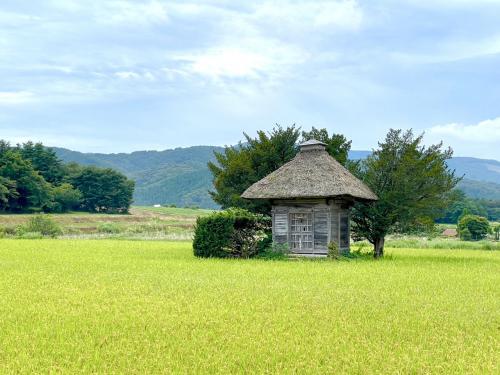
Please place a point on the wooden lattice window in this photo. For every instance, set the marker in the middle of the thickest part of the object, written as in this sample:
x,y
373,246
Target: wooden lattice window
x,y
301,231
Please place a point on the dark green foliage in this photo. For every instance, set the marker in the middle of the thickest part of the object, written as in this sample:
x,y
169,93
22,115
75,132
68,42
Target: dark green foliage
x,y
413,184
496,230
460,204
473,227
104,190
336,145
41,224
22,187
33,179
65,198
43,160
233,233
239,167
8,192
492,208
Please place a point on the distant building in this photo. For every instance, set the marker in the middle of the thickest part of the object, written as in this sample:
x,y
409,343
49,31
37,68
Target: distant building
x,y
156,205
449,232
311,196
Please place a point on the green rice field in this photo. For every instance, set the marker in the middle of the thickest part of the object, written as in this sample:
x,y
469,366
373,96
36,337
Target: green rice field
x,y
144,307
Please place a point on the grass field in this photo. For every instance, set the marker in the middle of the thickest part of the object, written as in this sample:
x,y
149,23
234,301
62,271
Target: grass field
x,y
163,223
107,306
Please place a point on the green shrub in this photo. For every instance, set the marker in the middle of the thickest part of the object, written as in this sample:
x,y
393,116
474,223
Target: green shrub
x,y
231,233
473,227
465,234
333,250
109,228
41,224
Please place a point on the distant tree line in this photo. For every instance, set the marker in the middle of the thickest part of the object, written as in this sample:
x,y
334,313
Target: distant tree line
x,y
34,179
461,205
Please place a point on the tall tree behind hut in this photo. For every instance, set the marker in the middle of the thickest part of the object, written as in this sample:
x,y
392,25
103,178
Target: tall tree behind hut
x,y
238,167
413,184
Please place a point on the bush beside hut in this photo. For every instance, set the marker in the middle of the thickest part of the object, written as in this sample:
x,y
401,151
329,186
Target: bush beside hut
x,y
233,233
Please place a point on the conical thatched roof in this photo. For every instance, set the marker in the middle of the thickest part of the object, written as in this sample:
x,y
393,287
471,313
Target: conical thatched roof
x,y
313,173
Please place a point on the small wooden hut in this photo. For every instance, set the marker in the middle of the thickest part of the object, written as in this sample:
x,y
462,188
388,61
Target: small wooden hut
x,y
311,196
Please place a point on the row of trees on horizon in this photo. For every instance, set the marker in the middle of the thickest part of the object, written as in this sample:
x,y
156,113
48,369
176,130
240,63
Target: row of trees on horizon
x,y
34,179
413,182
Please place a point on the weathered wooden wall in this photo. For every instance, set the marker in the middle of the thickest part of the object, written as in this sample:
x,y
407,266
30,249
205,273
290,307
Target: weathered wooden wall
x,y
330,222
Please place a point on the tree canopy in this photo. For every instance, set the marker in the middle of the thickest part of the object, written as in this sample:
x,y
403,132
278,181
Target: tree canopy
x,y
460,204
104,190
33,179
413,184
473,227
237,168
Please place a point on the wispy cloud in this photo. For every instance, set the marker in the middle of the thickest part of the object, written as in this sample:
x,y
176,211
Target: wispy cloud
x,y
339,15
452,50
487,131
116,11
16,97
356,66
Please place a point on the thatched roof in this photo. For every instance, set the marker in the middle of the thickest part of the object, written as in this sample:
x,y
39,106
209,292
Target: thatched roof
x,y
313,173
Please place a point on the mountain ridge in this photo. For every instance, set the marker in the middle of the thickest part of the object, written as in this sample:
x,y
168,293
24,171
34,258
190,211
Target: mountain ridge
x,y
180,176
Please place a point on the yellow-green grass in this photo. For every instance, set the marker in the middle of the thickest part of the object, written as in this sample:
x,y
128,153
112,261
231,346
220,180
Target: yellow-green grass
x,y
76,306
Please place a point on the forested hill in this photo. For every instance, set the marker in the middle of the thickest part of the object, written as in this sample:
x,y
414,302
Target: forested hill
x,y
181,177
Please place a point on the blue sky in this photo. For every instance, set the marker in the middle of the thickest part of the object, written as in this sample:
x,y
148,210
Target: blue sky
x,y
118,76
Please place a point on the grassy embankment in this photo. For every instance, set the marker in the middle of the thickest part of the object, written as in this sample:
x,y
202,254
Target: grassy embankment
x,y
165,223
109,306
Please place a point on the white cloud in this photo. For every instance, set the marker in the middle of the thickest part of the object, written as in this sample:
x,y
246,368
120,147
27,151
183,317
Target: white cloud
x,y
116,11
342,15
453,50
228,62
136,13
254,58
487,131
148,76
15,97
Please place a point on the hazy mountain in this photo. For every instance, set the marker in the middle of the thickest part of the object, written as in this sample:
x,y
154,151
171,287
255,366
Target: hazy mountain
x,y
180,176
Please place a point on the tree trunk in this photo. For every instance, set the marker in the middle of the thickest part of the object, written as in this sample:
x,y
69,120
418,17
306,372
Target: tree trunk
x,y
378,247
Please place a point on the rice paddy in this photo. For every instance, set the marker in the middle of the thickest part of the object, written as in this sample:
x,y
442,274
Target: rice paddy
x,y
109,306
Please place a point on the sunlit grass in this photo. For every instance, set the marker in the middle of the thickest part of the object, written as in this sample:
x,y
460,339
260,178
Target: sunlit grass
x,y
108,306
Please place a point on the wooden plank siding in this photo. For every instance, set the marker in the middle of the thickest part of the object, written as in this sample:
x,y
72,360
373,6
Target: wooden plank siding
x,y
320,229
330,223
